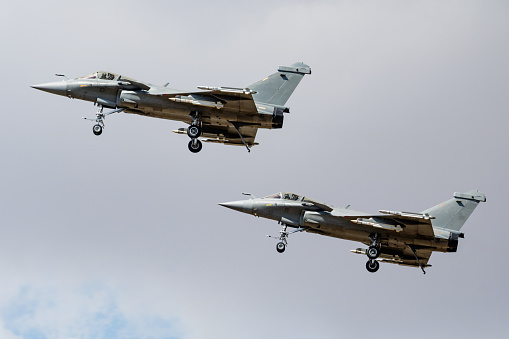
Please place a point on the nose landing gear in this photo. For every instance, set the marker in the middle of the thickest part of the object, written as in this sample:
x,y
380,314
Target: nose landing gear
x,y
281,245
99,119
97,129
283,235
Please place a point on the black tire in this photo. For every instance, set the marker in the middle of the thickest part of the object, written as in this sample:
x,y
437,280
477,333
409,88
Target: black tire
x,y
373,252
194,131
280,247
194,145
372,266
97,129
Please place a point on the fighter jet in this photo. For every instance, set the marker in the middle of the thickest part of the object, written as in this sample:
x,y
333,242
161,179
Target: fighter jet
x,y
403,238
226,115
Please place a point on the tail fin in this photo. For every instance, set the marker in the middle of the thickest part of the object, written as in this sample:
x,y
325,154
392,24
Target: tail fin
x,y
453,213
278,87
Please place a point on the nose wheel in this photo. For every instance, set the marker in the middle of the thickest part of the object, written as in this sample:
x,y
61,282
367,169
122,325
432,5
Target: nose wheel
x,y
99,119
280,247
97,129
283,235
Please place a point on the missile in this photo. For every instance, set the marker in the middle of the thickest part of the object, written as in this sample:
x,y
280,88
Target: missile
x,y
359,251
408,214
228,89
390,227
180,131
190,100
210,88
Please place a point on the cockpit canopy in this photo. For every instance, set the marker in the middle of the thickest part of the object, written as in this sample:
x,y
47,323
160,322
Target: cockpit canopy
x,y
106,76
284,195
289,196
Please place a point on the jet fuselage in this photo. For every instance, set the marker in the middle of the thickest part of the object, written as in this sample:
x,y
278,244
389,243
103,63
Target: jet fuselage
x,y
151,102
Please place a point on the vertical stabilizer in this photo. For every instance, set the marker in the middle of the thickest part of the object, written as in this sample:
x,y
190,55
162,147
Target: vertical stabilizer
x,y
453,213
278,87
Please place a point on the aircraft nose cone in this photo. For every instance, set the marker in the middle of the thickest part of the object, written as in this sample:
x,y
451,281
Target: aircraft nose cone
x,y
59,87
241,206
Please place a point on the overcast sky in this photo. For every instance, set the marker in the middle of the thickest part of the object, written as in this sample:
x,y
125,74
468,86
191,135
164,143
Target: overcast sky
x,y
120,236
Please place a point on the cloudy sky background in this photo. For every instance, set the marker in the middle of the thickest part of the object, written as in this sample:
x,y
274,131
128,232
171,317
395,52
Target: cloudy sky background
x,y
120,236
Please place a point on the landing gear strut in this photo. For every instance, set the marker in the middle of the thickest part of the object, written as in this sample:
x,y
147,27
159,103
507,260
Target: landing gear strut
x,y
194,131
373,252
283,235
281,245
99,119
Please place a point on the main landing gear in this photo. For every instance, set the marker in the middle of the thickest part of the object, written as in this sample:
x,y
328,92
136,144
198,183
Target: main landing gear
x,y
283,235
194,145
372,265
373,252
99,119
281,245
194,131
